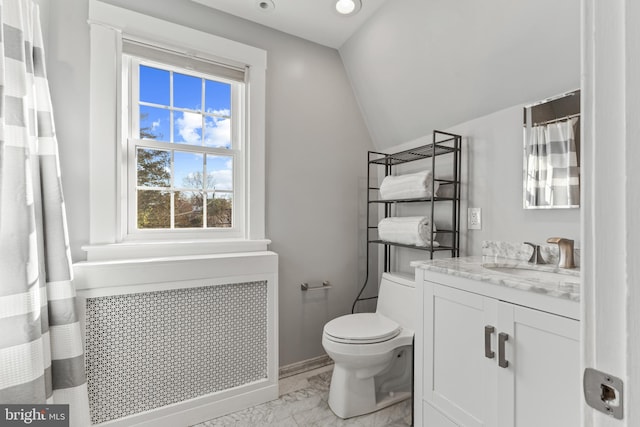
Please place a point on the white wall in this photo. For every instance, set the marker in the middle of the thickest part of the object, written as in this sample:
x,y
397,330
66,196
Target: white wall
x,y
316,150
422,65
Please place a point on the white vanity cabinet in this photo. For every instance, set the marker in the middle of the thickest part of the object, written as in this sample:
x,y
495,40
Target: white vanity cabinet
x,y
486,359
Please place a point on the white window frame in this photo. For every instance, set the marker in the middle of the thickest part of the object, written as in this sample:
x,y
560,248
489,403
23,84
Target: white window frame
x,y
130,66
108,228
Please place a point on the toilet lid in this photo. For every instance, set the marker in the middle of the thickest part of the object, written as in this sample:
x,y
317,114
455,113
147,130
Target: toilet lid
x,y
361,328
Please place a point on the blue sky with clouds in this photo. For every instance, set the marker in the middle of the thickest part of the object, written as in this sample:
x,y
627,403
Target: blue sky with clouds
x,y
208,124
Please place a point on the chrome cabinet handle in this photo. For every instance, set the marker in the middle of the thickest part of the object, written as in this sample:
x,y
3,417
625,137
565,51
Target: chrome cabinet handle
x,y
488,331
502,338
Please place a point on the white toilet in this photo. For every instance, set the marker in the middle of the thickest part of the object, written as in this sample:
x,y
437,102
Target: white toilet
x,y
373,351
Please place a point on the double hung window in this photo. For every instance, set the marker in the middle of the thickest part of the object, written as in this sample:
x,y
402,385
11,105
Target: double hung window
x,y
177,139
185,145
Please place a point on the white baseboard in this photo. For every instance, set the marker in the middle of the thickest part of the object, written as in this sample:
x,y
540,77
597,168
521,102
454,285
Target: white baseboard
x,y
201,409
304,366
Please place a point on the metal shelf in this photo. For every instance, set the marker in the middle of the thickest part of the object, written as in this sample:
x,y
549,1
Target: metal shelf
x,y
443,143
422,199
434,149
421,248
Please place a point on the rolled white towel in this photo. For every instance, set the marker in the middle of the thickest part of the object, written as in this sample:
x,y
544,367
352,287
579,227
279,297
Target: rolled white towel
x,y
408,230
407,186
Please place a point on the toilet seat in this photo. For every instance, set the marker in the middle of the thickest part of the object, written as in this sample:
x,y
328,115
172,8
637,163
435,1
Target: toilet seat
x,y
361,328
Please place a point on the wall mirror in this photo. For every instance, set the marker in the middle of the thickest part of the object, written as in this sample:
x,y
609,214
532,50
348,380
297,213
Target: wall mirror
x,y
551,164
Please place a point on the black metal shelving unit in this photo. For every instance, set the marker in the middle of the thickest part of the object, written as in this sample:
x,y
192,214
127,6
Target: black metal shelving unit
x,y
444,144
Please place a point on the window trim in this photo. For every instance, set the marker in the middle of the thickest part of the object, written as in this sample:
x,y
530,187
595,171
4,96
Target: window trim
x,y
109,26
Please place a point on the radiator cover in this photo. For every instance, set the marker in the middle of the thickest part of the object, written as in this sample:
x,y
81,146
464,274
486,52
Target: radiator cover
x,y
151,349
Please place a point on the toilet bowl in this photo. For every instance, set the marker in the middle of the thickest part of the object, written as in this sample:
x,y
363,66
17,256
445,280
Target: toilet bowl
x,y
372,352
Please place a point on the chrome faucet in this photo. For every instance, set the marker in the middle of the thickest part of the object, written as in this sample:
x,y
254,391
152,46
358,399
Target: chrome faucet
x,y
565,248
536,256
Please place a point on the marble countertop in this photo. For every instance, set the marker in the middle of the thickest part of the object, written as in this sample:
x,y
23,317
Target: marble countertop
x,y
565,283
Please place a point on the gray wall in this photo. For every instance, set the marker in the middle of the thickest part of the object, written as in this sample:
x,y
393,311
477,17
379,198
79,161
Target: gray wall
x,y
66,40
469,67
316,150
421,65
493,182
492,161
415,66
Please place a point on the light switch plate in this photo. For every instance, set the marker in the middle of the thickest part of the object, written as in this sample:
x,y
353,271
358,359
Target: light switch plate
x,y
474,219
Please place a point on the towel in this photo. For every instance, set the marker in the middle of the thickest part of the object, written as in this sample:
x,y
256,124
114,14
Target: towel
x,y
408,230
407,186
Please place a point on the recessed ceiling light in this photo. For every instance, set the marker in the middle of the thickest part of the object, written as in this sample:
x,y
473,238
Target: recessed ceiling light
x,y
348,7
265,5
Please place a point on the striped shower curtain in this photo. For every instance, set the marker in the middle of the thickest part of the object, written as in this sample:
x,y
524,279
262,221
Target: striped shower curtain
x,y
41,356
552,174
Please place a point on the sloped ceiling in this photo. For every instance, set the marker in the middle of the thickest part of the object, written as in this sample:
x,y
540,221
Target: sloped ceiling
x,y
420,65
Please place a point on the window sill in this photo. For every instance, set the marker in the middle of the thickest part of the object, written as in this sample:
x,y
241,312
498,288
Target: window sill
x,y
161,249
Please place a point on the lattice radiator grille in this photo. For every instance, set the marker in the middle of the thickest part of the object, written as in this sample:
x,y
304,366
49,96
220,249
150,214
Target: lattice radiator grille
x,y
152,349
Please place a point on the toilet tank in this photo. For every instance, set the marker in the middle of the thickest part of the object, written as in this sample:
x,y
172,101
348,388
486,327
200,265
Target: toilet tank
x,y
397,299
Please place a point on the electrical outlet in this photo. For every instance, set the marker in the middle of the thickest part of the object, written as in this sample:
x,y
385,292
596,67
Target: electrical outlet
x,y
474,218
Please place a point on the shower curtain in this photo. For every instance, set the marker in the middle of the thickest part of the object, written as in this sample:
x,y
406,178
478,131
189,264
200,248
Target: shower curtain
x,y
41,355
552,175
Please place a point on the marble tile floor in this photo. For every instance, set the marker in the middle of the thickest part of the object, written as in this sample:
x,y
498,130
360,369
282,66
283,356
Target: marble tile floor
x,y
303,403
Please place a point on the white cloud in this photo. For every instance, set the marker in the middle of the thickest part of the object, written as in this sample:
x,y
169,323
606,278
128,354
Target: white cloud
x,y
222,179
217,131
224,112
188,127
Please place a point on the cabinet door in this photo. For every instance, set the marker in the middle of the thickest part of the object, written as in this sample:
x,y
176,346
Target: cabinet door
x,y
458,378
541,385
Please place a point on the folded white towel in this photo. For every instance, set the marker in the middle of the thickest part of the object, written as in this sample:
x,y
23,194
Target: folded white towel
x,y
407,186
408,230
